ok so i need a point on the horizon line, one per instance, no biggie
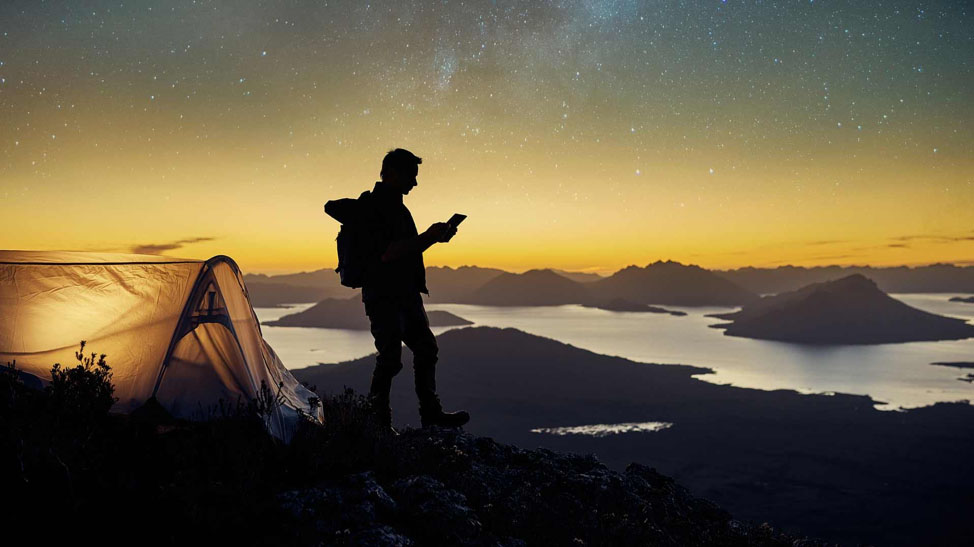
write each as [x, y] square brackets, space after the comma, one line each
[608, 271]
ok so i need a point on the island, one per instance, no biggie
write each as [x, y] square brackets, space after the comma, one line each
[621, 304]
[348, 313]
[969, 377]
[851, 310]
[955, 364]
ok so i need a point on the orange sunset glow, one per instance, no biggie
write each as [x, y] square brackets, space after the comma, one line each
[581, 138]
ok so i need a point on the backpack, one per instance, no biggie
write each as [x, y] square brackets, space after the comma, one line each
[356, 246]
[351, 262]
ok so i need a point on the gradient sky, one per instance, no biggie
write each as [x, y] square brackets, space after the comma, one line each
[579, 135]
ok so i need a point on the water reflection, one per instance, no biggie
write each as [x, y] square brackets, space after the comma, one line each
[604, 430]
[897, 374]
[300, 347]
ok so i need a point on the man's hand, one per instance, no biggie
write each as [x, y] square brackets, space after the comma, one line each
[440, 232]
[450, 233]
[437, 233]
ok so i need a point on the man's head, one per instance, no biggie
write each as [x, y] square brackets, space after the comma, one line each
[399, 169]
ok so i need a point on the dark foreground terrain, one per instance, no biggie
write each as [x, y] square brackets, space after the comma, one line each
[71, 471]
[823, 466]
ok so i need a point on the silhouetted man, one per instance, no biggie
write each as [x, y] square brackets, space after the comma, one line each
[394, 278]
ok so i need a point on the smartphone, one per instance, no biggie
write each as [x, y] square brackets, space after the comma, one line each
[456, 219]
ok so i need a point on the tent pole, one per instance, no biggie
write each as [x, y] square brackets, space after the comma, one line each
[181, 324]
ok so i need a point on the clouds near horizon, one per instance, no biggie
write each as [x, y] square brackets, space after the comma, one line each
[160, 248]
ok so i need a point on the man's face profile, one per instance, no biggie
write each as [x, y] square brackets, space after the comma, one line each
[403, 179]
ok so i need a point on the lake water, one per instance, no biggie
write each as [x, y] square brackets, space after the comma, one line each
[899, 375]
[604, 430]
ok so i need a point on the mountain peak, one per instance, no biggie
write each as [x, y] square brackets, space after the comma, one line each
[856, 280]
[672, 265]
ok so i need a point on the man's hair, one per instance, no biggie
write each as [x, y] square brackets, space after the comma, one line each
[399, 160]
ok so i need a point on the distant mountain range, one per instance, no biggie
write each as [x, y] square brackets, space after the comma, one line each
[661, 283]
[273, 291]
[899, 279]
[581, 277]
[322, 279]
[667, 283]
[454, 284]
[349, 313]
[274, 295]
[850, 310]
[531, 288]
[672, 283]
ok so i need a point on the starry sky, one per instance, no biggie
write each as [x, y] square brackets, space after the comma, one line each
[582, 135]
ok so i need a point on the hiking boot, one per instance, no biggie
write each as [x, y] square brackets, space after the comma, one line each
[431, 413]
[380, 405]
[382, 414]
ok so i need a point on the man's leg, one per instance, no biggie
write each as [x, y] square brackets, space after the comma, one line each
[419, 338]
[386, 327]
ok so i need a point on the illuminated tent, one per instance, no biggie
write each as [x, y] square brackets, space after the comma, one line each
[180, 330]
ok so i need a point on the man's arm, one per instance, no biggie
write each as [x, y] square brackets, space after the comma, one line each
[434, 234]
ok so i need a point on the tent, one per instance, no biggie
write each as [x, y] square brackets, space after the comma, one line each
[182, 331]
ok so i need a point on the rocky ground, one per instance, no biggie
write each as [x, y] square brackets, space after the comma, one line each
[71, 470]
[442, 487]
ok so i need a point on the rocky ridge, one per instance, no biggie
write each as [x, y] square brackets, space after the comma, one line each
[448, 488]
[343, 481]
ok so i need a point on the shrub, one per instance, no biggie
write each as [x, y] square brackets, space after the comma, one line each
[349, 439]
[266, 401]
[81, 395]
[52, 439]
